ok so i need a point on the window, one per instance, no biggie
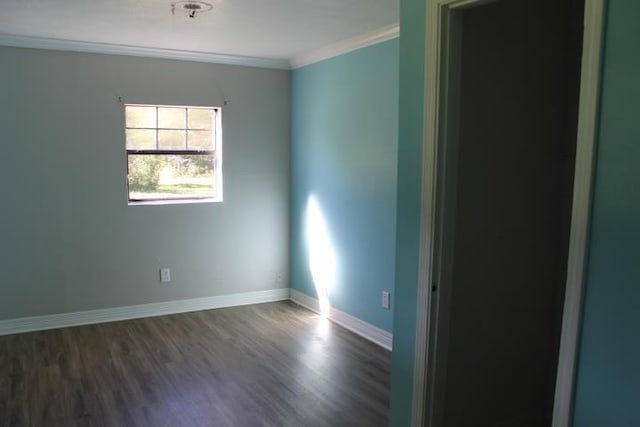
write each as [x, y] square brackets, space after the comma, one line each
[173, 153]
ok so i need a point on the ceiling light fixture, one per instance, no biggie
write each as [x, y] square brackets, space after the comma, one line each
[191, 8]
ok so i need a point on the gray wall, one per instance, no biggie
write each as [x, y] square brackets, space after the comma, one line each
[69, 241]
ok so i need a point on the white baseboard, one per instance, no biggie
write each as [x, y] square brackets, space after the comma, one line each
[62, 320]
[366, 330]
[52, 321]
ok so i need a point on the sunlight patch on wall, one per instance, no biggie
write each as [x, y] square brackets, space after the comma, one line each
[322, 255]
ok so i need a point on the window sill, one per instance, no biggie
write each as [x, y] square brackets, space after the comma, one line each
[172, 202]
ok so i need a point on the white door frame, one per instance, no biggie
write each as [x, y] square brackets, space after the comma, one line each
[442, 29]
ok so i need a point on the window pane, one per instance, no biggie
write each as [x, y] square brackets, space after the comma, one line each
[172, 140]
[141, 139]
[172, 118]
[200, 140]
[140, 117]
[160, 176]
[200, 119]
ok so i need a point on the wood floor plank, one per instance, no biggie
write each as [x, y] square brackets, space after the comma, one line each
[271, 365]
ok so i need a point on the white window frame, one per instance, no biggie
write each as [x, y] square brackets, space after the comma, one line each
[216, 153]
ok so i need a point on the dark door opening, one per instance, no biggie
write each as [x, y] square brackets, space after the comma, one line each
[517, 122]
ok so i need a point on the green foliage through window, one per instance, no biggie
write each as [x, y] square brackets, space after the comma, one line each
[144, 173]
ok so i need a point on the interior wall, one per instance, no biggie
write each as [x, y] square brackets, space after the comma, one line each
[69, 240]
[608, 384]
[344, 151]
[410, 130]
[518, 121]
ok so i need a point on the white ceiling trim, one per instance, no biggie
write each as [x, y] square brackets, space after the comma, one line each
[148, 52]
[383, 34]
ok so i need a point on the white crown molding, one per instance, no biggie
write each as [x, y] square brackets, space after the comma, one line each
[52, 321]
[147, 52]
[339, 48]
[368, 39]
[366, 330]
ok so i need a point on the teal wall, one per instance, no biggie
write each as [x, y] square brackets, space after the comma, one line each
[69, 241]
[344, 154]
[412, 24]
[608, 386]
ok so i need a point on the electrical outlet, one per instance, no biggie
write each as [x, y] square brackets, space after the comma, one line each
[165, 275]
[385, 299]
[279, 277]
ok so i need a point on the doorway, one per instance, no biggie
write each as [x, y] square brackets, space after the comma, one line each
[505, 199]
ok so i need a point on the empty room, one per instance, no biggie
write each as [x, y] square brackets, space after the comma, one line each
[366, 213]
[164, 203]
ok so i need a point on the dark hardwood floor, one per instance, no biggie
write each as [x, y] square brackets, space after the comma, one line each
[273, 364]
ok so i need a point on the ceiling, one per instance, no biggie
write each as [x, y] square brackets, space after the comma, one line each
[268, 29]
